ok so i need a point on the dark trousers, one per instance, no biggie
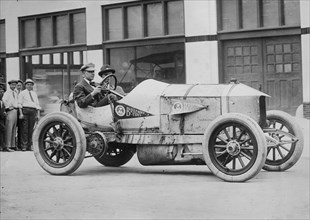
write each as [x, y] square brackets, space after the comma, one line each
[27, 127]
[106, 100]
[19, 132]
[103, 102]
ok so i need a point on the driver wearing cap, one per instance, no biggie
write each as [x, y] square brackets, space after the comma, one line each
[86, 93]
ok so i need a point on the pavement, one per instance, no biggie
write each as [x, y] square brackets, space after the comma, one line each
[134, 191]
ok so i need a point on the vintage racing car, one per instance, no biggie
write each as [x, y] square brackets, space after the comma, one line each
[225, 127]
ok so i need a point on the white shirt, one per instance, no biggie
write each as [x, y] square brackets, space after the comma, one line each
[18, 91]
[24, 100]
[10, 99]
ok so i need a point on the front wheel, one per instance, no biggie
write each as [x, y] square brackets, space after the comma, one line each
[59, 143]
[234, 147]
[287, 150]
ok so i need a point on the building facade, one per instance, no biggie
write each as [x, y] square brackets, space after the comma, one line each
[262, 43]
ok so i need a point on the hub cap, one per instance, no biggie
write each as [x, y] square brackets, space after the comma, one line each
[233, 148]
[58, 143]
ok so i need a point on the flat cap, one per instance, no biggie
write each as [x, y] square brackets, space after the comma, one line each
[106, 69]
[88, 67]
[12, 81]
[29, 81]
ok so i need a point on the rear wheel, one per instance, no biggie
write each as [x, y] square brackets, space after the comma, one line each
[234, 147]
[59, 143]
[116, 155]
[287, 151]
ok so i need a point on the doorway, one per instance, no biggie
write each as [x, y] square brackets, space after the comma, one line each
[271, 65]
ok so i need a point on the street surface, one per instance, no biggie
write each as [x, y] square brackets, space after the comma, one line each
[156, 192]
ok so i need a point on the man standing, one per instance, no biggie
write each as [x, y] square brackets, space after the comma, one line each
[29, 112]
[10, 103]
[19, 86]
[18, 89]
[2, 119]
[86, 93]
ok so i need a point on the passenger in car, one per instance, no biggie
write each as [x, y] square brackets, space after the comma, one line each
[86, 93]
[106, 70]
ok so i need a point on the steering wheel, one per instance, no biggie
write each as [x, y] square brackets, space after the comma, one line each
[109, 82]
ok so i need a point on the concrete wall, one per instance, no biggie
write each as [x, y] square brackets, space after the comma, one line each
[202, 62]
[201, 57]
[12, 67]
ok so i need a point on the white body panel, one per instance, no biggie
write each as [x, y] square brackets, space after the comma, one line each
[100, 115]
[160, 100]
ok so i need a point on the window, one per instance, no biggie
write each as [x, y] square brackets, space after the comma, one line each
[115, 24]
[291, 11]
[249, 15]
[175, 17]
[2, 36]
[46, 36]
[60, 29]
[55, 75]
[143, 19]
[161, 62]
[283, 57]
[154, 20]
[29, 33]
[79, 28]
[134, 22]
[242, 59]
[229, 14]
[270, 13]
[253, 14]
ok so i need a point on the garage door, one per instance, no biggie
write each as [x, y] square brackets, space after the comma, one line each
[272, 65]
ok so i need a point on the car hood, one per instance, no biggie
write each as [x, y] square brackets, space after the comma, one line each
[146, 96]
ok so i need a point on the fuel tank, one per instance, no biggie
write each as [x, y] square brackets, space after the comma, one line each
[169, 155]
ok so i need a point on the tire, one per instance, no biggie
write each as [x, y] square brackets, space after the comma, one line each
[283, 156]
[234, 147]
[59, 143]
[117, 155]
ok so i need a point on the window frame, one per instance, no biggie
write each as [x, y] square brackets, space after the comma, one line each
[2, 21]
[260, 18]
[143, 5]
[52, 16]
